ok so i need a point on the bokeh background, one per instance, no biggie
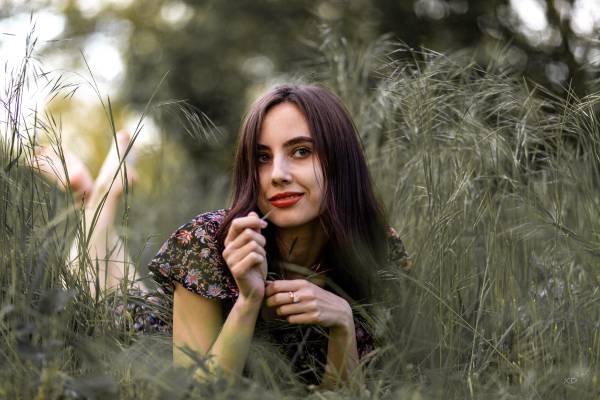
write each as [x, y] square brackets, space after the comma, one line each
[480, 123]
[217, 56]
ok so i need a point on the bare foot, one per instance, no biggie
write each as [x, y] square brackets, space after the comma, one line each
[50, 166]
[112, 164]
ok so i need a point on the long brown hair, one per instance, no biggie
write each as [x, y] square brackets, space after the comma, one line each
[352, 217]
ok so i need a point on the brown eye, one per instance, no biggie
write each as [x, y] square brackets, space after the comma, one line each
[301, 152]
[262, 158]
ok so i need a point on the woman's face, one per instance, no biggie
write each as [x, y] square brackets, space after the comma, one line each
[290, 175]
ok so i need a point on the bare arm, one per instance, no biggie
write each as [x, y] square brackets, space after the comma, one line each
[198, 325]
[342, 355]
[198, 322]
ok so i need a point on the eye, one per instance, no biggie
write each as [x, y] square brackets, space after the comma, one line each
[302, 152]
[262, 158]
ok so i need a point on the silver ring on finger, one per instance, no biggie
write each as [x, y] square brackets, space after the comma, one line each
[295, 298]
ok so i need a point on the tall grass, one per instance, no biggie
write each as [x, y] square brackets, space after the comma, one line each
[492, 183]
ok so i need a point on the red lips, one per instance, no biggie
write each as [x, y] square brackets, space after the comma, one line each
[284, 195]
[287, 199]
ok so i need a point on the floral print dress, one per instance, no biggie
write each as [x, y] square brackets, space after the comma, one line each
[191, 258]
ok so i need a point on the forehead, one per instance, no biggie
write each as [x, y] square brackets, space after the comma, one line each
[282, 122]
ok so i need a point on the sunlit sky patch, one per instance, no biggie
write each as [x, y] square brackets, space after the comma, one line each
[101, 50]
[176, 13]
[48, 25]
[14, 32]
[586, 16]
[532, 13]
[104, 58]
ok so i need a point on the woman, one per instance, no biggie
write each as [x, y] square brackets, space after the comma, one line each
[322, 235]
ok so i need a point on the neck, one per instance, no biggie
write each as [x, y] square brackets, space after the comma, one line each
[301, 245]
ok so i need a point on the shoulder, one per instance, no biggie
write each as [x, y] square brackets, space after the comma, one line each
[397, 254]
[200, 231]
[190, 256]
[203, 226]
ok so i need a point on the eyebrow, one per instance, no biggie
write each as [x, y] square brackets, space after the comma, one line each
[291, 142]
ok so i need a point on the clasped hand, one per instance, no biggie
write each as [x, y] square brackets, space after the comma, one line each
[302, 302]
[299, 301]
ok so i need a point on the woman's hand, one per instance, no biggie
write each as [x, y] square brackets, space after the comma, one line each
[246, 257]
[303, 302]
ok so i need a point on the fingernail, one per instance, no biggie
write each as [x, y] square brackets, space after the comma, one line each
[263, 223]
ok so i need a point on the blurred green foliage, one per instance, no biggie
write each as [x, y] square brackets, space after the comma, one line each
[218, 55]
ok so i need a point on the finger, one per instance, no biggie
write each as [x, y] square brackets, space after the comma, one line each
[235, 256]
[249, 261]
[303, 319]
[239, 224]
[245, 236]
[285, 286]
[279, 299]
[291, 309]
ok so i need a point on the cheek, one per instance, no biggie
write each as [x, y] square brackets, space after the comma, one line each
[263, 203]
[263, 181]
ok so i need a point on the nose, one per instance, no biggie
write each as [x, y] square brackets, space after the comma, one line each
[281, 173]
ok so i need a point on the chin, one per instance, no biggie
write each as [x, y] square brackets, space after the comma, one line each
[283, 218]
[286, 222]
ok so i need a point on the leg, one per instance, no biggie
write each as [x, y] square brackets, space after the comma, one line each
[47, 161]
[105, 246]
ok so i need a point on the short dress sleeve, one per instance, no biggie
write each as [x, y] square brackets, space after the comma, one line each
[191, 258]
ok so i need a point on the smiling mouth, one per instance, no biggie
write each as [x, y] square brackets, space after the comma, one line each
[286, 201]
